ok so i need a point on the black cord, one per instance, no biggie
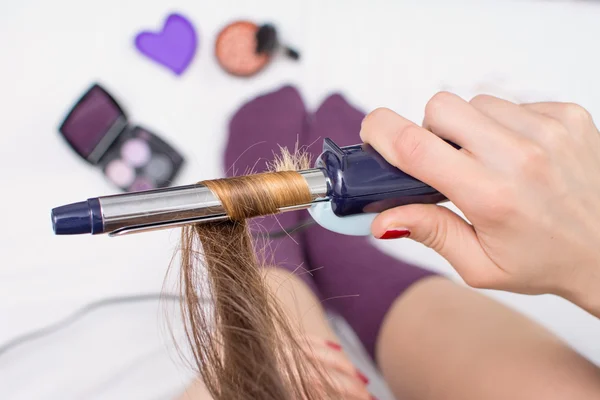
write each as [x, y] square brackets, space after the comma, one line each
[93, 306]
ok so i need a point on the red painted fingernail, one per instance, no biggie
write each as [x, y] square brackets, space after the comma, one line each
[362, 377]
[333, 345]
[395, 234]
[373, 398]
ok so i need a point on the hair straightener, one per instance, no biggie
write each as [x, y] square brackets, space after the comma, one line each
[349, 186]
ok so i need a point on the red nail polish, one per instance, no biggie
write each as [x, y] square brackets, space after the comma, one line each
[373, 398]
[362, 377]
[395, 234]
[333, 345]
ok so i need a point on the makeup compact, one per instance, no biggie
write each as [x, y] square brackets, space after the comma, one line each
[132, 157]
[243, 48]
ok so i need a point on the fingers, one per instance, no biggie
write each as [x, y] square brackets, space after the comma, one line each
[349, 389]
[452, 118]
[569, 114]
[341, 373]
[345, 386]
[514, 117]
[448, 234]
[327, 353]
[420, 153]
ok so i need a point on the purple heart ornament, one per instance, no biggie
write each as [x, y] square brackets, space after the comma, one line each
[174, 46]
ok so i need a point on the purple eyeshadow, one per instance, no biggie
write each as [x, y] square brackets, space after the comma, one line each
[120, 173]
[141, 184]
[93, 117]
[132, 158]
[136, 152]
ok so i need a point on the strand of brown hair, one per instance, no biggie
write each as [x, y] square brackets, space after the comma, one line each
[243, 346]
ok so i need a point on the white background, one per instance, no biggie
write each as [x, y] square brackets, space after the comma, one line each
[377, 53]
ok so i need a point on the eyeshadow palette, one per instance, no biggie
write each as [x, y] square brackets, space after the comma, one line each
[131, 157]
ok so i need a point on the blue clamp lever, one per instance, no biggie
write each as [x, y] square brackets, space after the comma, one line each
[361, 185]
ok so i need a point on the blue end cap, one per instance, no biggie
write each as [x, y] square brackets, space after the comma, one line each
[77, 218]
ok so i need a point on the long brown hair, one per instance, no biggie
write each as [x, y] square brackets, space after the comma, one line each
[243, 345]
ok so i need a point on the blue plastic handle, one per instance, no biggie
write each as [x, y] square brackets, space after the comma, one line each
[363, 182]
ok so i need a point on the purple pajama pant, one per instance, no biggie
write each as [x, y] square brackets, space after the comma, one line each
[348, 274]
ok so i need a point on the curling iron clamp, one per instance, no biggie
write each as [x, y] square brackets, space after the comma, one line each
[348, 185]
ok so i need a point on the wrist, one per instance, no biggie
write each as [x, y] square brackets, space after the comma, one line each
[585, 290]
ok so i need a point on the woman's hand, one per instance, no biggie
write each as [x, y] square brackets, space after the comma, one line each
[345, 379]
[527, 178]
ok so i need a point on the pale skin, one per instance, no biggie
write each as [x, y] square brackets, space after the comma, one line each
[526, 179]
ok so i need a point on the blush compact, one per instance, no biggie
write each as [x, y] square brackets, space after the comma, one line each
[244, 48]
[131, 157]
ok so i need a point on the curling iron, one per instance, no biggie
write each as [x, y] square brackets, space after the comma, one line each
[348, 185]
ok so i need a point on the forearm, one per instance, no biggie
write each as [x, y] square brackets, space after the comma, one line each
[445, 341]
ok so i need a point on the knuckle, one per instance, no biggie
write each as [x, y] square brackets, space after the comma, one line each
[552, 126]
[436, 237]
[408, 144]
[576, 114]
[374, 117]
[534, 159]
[436, 102]
[534, 154]
[554, 134]
[480, 99]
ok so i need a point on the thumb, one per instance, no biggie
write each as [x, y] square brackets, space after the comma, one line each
[446, 233]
